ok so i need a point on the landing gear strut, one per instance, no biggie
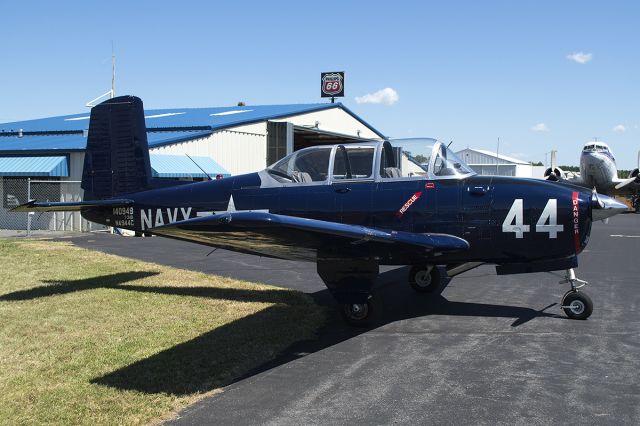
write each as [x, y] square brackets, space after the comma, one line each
[576, 304]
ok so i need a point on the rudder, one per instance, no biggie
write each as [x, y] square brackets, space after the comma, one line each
[117, 156]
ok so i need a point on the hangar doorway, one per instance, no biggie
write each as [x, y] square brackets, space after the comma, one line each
[283, 138]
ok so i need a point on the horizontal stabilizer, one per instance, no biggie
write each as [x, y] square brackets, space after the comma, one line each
[46, 206]
[267, 232]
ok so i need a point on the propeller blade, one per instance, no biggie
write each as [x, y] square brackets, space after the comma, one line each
[625, 182]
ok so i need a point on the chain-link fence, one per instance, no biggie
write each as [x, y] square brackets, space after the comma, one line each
[16, 191]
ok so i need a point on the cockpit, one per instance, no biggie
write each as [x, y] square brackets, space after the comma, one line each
[595, 147]
[396, 159]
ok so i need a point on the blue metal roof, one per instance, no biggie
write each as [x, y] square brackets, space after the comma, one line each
[165, 138]
[68, 143]
[214, 117]
[183, 124]
[180, 166]
[43, 143]
[34, 166]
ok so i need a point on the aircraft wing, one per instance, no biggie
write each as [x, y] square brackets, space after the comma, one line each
[292, 237]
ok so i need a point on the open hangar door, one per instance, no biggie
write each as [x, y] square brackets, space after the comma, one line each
[283, 138]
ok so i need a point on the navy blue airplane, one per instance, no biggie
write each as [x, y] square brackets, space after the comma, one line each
[350, 208]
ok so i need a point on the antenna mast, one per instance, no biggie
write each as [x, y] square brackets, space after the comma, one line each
[113, 72]
[111, 93]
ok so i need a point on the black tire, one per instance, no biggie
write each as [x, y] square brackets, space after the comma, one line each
[359, 314]
[423, 280]
[577, 305]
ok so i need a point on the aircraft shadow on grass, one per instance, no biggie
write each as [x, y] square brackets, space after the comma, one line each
[60, 287]
[192, 366]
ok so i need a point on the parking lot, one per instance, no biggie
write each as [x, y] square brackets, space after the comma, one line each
[488, 350]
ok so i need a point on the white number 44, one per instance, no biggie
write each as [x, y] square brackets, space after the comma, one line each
[548, 222]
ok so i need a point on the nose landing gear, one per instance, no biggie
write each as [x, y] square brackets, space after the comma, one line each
[576, 304]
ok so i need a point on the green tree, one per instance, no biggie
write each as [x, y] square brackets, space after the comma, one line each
[421, 158]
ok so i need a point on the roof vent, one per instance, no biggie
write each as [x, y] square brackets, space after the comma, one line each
[20, 133]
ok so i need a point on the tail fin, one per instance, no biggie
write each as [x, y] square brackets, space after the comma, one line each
[117, 156]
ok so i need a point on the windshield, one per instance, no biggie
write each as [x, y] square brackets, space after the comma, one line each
[413, 157]
[595, 148]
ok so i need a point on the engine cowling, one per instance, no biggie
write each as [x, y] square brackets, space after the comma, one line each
[634, 174]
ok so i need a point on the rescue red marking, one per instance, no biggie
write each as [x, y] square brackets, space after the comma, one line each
[575, 215]
[408, 204]
[429, 185]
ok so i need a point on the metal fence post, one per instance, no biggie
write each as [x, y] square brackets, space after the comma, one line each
[28, 214]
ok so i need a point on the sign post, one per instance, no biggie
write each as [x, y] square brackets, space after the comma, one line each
[332, 85]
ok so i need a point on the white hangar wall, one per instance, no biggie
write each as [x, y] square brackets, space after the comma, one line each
[239, 150]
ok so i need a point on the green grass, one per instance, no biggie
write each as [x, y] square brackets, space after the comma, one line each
[90, 338]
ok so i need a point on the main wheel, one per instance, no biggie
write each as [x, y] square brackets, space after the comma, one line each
[577, 305]
[425, 279]
[359, 314]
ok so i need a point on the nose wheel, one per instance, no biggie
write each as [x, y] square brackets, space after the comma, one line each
[576, 304]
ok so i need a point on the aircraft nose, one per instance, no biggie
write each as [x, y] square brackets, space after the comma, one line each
[604, 206]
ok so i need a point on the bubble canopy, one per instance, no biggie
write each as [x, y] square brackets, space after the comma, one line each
[416, 158]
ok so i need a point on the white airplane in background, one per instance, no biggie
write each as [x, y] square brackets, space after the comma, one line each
[598, 170]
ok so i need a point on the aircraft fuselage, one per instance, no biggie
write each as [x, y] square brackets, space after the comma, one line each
[598, 170]
[504, 219]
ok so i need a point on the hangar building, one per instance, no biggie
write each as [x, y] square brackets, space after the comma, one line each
[489, 163]
[221, 140]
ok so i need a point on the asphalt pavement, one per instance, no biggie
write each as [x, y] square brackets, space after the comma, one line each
[488, 350]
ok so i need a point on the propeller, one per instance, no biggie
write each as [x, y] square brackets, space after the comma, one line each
[625, 182]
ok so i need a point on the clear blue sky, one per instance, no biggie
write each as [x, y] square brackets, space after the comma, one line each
[467, 71]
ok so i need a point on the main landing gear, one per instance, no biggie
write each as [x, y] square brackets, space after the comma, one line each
[425, 279]
[359, 314]
[576, 304]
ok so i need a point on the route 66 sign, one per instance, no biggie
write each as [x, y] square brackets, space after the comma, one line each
[332, 85]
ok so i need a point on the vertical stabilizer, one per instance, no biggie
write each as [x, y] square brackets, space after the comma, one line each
[117, 156]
